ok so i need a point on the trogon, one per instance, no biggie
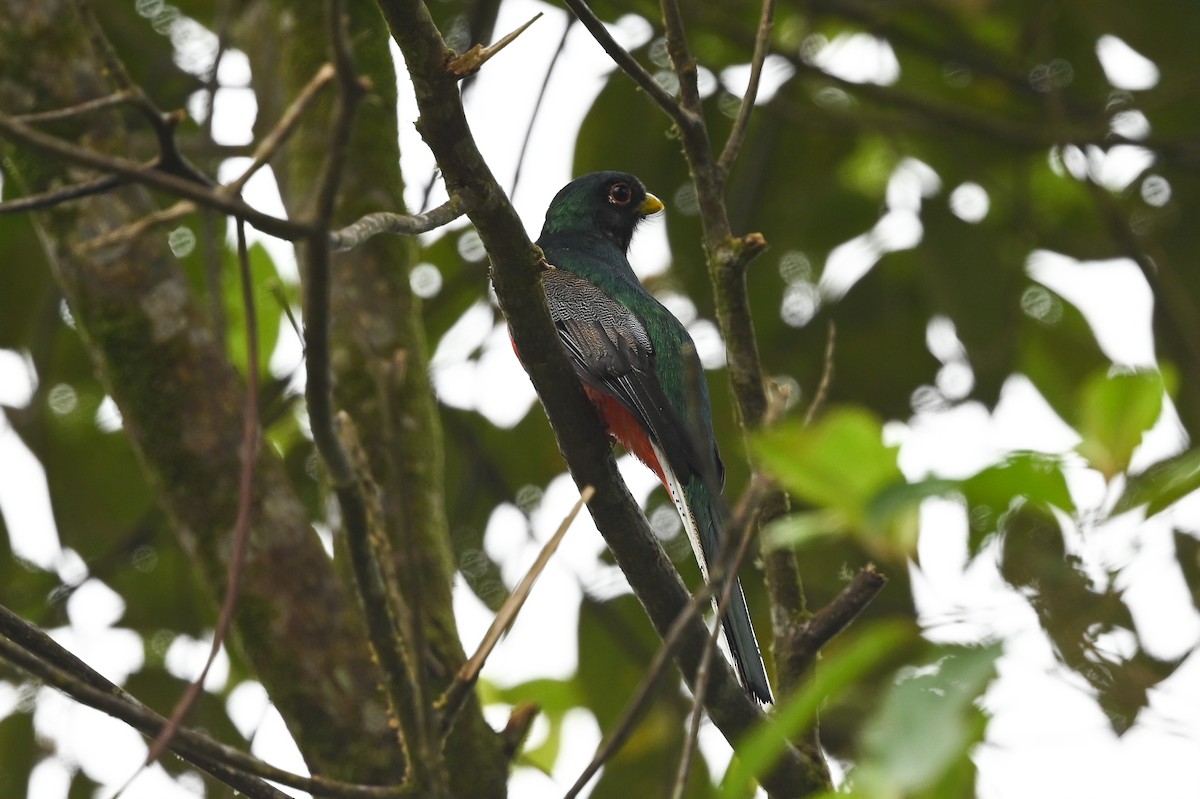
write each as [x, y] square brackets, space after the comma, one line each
[639, 367]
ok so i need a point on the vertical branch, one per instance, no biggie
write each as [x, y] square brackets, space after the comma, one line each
[319, 389]
[390, 620]
[707, 177]
[353, 486]
[241, 533]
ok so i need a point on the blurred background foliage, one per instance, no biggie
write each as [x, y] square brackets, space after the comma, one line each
[911, 165]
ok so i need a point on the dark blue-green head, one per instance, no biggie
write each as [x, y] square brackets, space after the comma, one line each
[610, 204]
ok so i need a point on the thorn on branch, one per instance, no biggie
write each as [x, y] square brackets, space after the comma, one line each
[469, 62]
[515, 732]
[751, 245]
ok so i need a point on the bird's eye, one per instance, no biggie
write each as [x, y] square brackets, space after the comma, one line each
[620, 194]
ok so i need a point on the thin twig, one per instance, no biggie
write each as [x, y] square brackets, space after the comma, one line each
[284, 127]
[730, 564]
[621, 731]
[452, 700]
[692, 739]
[75, 191]
[762, 43]
[136, 228]
[88, 107]
[379, 222]
[830, 620]
[537, 104]
[211, 82]
[826, 380]
[114, 68]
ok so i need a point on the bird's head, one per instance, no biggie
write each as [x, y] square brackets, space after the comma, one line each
[608, 203]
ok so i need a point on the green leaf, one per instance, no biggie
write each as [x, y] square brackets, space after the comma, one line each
[838, 673]
[1022, 477]
[1115, 410]
[928, 722]
[269, 315]
[896, 510]
[21, 751]
[1187, 551]
[1161, 485]
[553, 698]
[798, 529]
[839, 463]
[1032, 475]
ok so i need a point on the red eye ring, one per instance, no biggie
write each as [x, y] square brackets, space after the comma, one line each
[620, 194]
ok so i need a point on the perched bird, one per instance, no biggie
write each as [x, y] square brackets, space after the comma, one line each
[639, 367]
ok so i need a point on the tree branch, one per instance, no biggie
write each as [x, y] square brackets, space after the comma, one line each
[30, 649]
[634, 709]
[800, 645]
[152, 177]
[374, 224]
[661, 97]
[451, 701]
[284, 127]
[516, 264]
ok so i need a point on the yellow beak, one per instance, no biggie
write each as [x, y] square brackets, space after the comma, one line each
[650, 205]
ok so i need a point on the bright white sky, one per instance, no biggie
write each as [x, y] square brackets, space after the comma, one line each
[1047, 737]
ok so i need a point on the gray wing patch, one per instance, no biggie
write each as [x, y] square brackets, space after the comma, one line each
[612, 352]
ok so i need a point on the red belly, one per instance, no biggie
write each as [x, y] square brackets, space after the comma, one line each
[624, 427]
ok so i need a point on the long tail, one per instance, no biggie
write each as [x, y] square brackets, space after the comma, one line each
[743, 644]
[704, 529]
[739, 632]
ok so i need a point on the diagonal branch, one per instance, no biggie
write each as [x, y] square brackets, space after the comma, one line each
[516, 265]
[624, 727]
[30, 649]
[452, 700]
[154, 178]
[88, 107]
[284, 127]
[75, 191]
[661, 97]
[537, 104]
